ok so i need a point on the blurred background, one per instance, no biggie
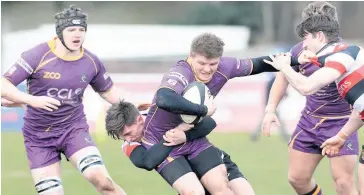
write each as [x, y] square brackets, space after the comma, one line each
[138, 42]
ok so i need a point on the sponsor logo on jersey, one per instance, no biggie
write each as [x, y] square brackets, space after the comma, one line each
[22, 63]
[51, 75]
[180, 77]
[69, 96]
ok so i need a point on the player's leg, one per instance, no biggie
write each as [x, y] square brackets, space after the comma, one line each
[44, 163]
[178, 173]
[343, 165]
[301, 167]
[361, 172]
[343, 173]
[209, 165]
[304, 156]
[84, 155]
[47, 180]
[237, 181]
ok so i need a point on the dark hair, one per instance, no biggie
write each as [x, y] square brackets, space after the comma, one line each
[208, 45]
[319, 7]
[320, 22]
[118, 116]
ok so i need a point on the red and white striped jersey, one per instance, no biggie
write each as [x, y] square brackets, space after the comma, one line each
[350, 63]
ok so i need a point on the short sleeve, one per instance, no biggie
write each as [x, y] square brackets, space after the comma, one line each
[101, 82]
[23, 67]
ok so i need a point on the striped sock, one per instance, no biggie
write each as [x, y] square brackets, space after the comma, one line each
[315, 191]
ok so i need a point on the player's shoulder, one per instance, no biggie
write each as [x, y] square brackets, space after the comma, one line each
[91, 55]
[37, 51]
[181, 69]
[296, 49]
[182, 66]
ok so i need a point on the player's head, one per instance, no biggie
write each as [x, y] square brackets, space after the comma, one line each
[205, 54]
[123, 121]
[319, 7]
[71, 27]
[317, 31]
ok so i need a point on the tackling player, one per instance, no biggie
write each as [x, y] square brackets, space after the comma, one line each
[345, 67]
[325, 113]
[62, 69]
[150, 159]
[206, 64]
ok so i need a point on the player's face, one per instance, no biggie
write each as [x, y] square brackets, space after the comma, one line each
[74, 36]
[204, 68]
[314, 42]
[134, 132]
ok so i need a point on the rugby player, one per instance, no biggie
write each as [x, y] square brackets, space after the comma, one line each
[62, 69]
[325, 113]
[206, 64]
[345, 67]
[150, 159]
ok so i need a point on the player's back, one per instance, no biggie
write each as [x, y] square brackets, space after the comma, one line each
[63, 78]
[326, 102]
[159, 121]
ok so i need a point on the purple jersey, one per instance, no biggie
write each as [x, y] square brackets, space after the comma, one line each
[64, 79]
[326, 102]
[179, 76]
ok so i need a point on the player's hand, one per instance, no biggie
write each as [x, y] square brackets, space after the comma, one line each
[184, 127]
[211, 107]
[174, 137]
[332, 145]
[44, 102]
[280, 60]
[307, 56]
[268, 120]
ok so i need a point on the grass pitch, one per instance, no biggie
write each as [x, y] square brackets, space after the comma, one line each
[264, 163]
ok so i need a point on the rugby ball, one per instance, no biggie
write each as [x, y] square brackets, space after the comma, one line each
[198, 93]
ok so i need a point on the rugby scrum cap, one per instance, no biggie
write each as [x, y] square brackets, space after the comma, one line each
[72, 16]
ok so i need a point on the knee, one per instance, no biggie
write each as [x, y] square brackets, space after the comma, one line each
[344, 184]
[193, 191]
[298, 180]
[102, 183]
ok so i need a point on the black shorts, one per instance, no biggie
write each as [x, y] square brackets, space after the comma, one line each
[201, 164]
[361, 159]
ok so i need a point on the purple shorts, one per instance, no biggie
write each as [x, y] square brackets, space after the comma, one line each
[44, 148]
[311, 132]
[189, 150]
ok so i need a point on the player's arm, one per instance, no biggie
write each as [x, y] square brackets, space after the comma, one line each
[20, 71]
[8, 103]
[259, 65]
[311, 84]
[146, 159]
[178, 136]
[104, 86]
[150, 159]
[13, 94]
[354, 123]
[169, 98]
[277, 92]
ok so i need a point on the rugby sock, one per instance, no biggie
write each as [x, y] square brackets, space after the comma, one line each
[315, 191]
